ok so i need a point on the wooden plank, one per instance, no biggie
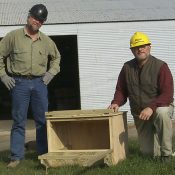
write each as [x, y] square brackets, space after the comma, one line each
[118, 138]
[56, 119]
[98, 157]
[81, 113]
[81, 116]
[83, 158]
[50, 114]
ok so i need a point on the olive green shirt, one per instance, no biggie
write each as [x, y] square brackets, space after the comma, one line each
[27, 57]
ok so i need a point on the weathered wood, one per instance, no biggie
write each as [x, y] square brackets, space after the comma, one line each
[80, 113]
[83, 158]
[118, 138]
[85, 136]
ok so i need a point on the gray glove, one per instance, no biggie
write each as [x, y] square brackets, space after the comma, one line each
[8, 81]
[47, 78]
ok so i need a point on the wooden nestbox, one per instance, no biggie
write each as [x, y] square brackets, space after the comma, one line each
[85, 137]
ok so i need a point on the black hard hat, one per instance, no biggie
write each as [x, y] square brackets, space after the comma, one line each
[39, 12]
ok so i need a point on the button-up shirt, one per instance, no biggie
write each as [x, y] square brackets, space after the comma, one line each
[27, 57]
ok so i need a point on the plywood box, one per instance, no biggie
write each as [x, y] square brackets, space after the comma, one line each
[85, 136]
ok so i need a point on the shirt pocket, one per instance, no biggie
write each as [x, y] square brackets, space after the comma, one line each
[18, 55]
[42, 58]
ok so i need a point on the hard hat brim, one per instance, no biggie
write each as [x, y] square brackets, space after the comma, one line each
[139, 45]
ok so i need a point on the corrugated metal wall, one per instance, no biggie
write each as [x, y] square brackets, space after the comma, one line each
[103, 48]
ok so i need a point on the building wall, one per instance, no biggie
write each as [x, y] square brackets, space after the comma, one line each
[102, 50]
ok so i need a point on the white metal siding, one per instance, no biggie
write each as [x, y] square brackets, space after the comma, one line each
[103, 48]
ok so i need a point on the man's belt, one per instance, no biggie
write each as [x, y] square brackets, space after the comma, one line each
[28, 77]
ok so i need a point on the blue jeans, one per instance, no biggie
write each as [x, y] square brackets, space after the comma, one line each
[26, 92]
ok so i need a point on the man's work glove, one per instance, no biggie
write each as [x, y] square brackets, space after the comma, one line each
[47, 78]
[8, 81]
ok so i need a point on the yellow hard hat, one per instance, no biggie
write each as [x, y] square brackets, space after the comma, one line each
[139, 39]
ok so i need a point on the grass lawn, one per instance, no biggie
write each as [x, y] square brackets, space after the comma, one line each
[135, 164]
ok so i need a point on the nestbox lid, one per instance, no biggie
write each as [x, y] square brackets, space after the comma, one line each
[73, 114]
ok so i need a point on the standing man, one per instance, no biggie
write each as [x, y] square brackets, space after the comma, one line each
[148, 83]
[32, 62]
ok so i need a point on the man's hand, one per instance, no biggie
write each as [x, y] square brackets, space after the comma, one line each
[47, 78]
[115, 107]
[146, 113]
[8, 81]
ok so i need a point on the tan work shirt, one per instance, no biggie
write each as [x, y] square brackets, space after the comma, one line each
[28, 57]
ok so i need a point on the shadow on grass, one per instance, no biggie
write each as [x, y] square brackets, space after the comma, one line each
[30, 157]
[5, 155]
[133, 147]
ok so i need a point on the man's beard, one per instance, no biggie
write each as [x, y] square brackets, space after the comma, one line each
[33, 28]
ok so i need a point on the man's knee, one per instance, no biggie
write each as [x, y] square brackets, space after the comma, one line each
[163, 113]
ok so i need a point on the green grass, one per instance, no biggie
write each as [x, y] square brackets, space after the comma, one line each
[135, 164]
